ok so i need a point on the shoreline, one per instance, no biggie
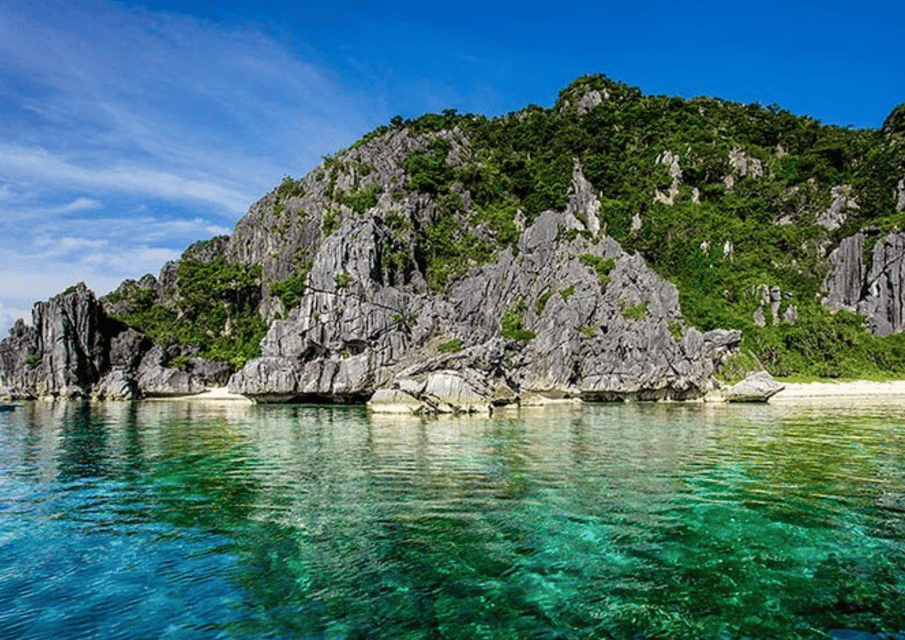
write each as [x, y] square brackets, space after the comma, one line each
[851, 390]
[793, 391]
[217, 394]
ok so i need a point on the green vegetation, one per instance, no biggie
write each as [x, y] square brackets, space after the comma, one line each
[446, 252]
[32, 360]
[541, 303]
[291, 289]
[512, 321]
[481, 180]
[451, 346]
[290, 188]
[635, 312]
[765, 221]
[361, 200]
[343, 280]
[331, 222]
[213, 307]
[429, 171]
[602, 266]
[588, 331]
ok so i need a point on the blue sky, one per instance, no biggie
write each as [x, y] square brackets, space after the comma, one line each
[130, 130]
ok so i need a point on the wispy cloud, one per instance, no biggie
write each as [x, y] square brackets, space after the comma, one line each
[129, 134]
[42, 165]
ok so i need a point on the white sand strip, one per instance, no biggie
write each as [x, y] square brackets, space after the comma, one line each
[854, 389]
[217, 394]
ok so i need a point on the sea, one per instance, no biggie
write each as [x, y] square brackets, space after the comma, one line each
[224, 520]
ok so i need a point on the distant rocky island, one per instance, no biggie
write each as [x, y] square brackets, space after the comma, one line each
[616, 246]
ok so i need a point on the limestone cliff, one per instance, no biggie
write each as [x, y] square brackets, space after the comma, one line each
[875, 287]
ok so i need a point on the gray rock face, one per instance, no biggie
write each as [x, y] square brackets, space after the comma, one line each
[845, 282]
[671, 161]
[837, 213]
[876, 290]
[900, 195]
[602, 325]
[590, 100]
[567, 314]
[74, 349]
[63, 354]
[583, 202]
[115, 385]
[154, 378]
[743, 166]
[772, 298]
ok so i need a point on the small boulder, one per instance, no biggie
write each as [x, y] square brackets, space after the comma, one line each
[757, 387]
[395, 401]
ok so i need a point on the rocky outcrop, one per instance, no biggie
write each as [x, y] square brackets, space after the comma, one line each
[74, 349]
[876, 289]
[900, 196]
[845, 282]
[669, 160]
[568, 315]
[62, 354]
[837, 213]
[743, 166]
[583, 202]
[772, 298]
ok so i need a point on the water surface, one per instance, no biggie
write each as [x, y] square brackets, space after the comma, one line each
[181, 520]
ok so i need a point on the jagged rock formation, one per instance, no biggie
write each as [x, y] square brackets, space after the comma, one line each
[62, 353]
[876, 289]
[772, 298]
[75, 349]
[743, 166]
[599, 336]
[837, 213]
[671, 161]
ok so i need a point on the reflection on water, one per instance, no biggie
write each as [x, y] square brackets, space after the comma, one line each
[204, 520]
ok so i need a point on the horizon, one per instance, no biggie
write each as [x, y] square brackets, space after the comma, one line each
[132, 130]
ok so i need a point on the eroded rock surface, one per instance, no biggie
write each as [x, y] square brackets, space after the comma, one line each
[74, 349]
[876, 289]
[595, 323]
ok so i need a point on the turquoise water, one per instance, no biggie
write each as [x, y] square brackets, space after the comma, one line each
[178, 520]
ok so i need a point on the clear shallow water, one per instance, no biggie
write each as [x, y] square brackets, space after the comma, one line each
[177, 520]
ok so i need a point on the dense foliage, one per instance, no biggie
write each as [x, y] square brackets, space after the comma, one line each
[214, 307]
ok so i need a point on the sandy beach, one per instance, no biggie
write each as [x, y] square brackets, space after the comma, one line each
[794, 391]
[855, 390]
[217, 394]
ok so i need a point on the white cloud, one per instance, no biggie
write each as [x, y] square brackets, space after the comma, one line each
[129, 134]
[8, 317]
[79, 204]
[40, 164]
